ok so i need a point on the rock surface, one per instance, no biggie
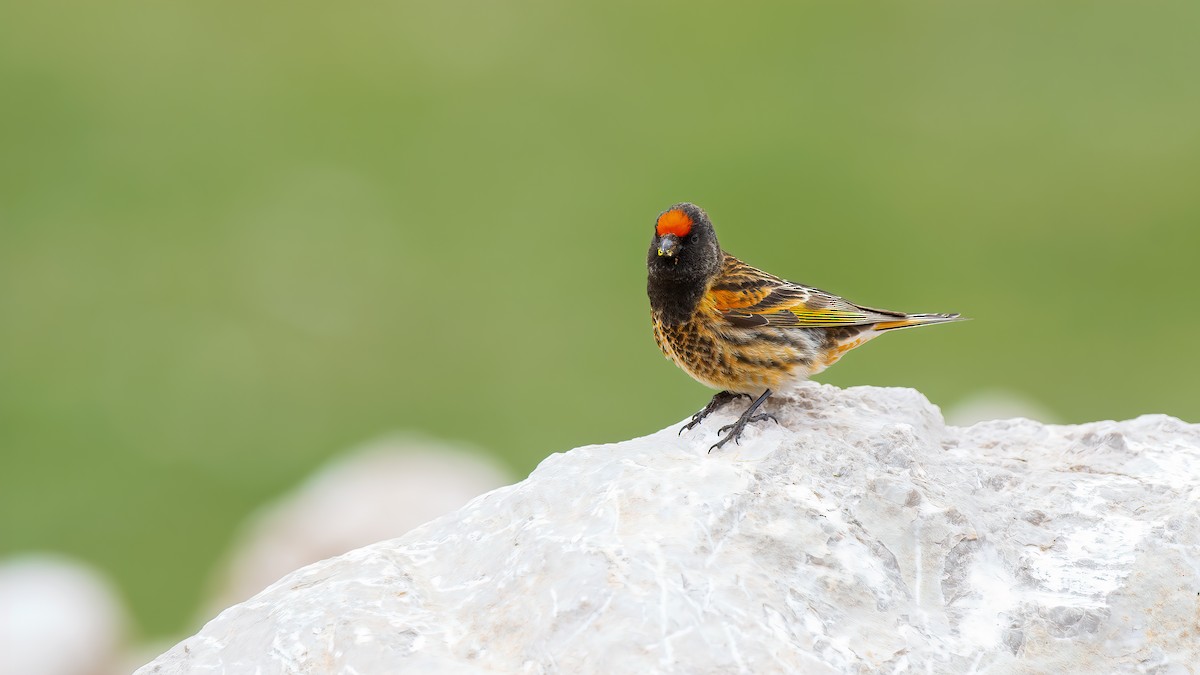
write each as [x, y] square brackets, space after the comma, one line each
[861, 535]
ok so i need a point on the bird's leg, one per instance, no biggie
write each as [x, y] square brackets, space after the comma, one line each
[717, 401]
[735, 429]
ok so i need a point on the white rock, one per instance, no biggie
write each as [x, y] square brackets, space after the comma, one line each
[860, 536]
[58, 617]
[379, 491]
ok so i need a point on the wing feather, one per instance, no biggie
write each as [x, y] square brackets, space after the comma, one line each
[749, 297]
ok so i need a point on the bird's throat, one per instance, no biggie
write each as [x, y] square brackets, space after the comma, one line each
[673, 298]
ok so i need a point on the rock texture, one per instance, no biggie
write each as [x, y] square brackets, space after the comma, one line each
[861, 535]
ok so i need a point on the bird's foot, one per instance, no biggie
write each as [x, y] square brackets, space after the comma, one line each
[735, 429]
[717, 401]
[741, 423]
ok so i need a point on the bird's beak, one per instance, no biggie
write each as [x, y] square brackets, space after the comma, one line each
[668, 245]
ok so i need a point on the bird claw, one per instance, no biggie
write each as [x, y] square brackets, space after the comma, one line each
[756, 418]
[735, 429]
[695, 421]
[717, 401]
[735, 437]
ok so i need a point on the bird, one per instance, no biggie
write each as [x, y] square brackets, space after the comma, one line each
[744, 331]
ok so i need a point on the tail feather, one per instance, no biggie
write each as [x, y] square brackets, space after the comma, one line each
[918, 320]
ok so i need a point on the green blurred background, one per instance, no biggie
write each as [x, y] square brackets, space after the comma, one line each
[236, 238]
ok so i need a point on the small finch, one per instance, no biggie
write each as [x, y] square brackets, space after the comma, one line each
[741, 330]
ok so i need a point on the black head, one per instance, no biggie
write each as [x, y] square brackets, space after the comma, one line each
[684, 247]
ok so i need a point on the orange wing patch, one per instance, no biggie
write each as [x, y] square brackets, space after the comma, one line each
[674, 222]
[727, 300]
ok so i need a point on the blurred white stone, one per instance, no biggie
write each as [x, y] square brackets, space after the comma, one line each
[997, 404]
[57, 617]
[861, 535]
[377, 492]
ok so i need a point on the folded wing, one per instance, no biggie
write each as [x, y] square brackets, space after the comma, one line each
[747, 296]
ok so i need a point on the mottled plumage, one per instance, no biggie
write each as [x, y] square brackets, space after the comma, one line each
[739, 329]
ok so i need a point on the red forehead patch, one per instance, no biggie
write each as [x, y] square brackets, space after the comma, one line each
[674, 222]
